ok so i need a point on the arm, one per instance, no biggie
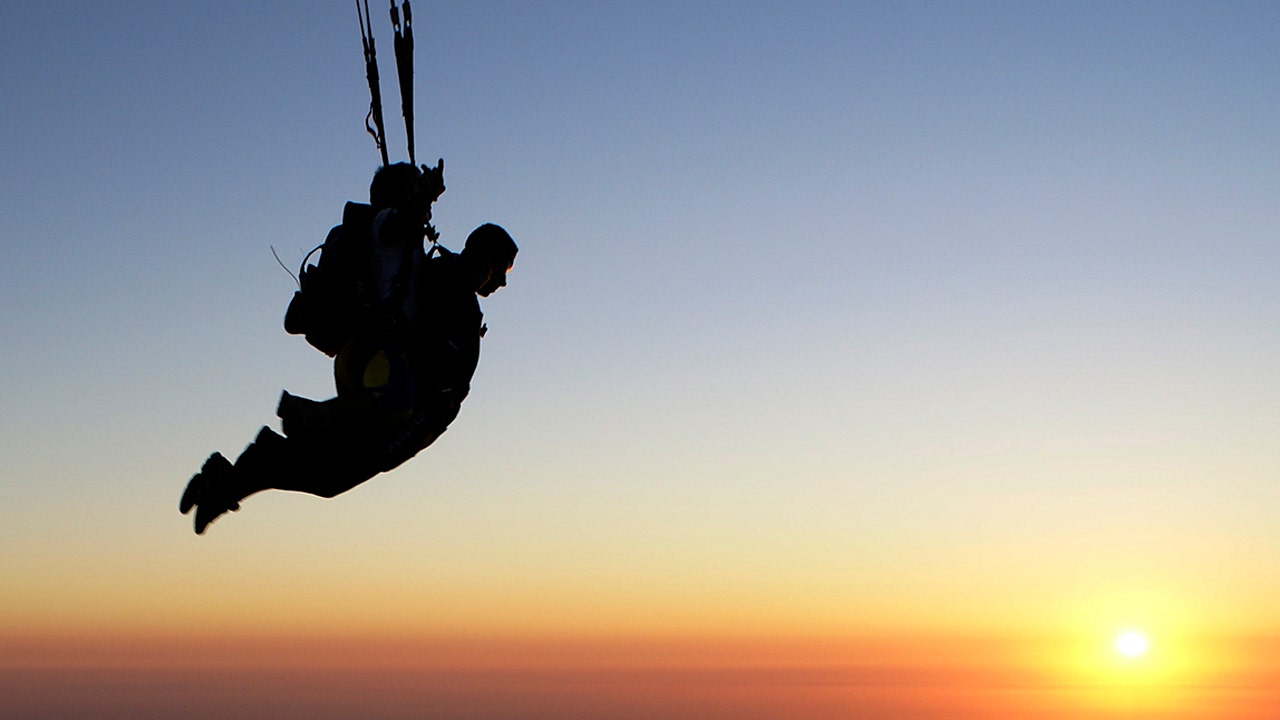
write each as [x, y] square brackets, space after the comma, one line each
[429, 188]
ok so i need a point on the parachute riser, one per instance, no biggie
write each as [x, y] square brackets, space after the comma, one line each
[404, 69]
[377, 129]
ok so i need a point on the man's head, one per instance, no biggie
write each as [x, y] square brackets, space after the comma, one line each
[492, 252]
[393, 185]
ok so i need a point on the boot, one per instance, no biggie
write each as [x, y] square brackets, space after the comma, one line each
[211, 472]
[209, 492]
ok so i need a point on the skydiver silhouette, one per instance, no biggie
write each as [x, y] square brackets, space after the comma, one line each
[403, 359]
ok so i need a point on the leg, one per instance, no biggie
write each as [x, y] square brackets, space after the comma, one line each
[271, 462]
[326, 466]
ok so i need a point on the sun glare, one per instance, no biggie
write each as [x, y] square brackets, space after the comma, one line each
[1132, 644]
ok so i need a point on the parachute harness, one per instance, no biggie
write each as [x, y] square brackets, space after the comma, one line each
[403, 46]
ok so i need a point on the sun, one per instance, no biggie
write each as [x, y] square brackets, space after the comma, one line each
[1132, 644]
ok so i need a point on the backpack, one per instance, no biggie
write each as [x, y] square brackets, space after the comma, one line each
[332, 302]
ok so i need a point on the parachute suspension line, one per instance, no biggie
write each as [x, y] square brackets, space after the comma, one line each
[377, 129]
[404, 69]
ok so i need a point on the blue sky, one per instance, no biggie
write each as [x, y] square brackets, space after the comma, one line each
[803, 288]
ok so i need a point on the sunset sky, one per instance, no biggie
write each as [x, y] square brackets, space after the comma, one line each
[862, 359]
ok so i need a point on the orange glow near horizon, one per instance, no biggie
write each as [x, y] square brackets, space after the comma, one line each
[878, 640]
[816, 677]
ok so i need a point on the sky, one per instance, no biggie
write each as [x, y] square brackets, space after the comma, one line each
[861, 359]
